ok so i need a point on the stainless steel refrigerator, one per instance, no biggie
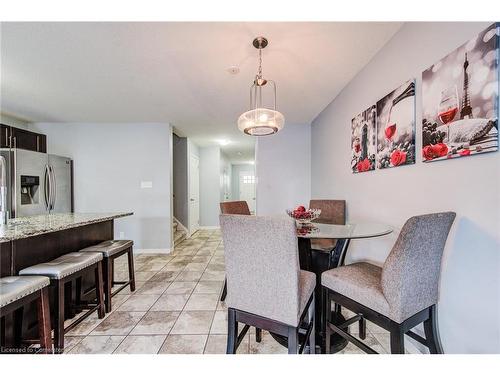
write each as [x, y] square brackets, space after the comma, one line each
[37, 183]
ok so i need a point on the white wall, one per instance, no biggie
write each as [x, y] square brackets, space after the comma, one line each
[110, 162]
[283, 170]
[210, 187]
[235, 177]
[469, 308]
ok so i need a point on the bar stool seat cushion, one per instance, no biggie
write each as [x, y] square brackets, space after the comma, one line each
[63, 266]
[360, 282]
[109, 248]
[13, 288]
[307, 283]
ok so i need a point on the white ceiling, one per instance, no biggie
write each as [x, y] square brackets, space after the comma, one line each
[176, 72]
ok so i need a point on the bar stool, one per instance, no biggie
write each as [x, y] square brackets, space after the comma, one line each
[111, 250]
[18, 291]
[62, 270]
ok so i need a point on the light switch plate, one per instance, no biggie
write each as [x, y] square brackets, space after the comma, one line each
[146, 184]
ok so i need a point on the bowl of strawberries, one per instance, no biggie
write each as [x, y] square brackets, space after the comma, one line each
[304, 216]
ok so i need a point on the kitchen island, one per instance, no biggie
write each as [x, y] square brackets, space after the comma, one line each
[32, 240]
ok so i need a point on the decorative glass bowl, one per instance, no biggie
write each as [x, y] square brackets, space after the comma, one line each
[304, 217]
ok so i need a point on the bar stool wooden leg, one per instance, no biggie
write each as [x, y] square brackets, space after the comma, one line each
[59, 317]
[108, 276]
[78, 297]
[18, 326]
[131, 273]
[99, 290]
[44, 321]
[258, 334]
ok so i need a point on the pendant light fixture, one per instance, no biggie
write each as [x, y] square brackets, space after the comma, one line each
[261, 120]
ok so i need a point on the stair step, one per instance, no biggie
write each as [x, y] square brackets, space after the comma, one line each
[179, 236]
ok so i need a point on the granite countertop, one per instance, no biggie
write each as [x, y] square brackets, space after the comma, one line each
[29, 226]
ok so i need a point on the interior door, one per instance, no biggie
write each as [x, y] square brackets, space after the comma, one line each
[61, 176]
[247, 189]
[194, 194]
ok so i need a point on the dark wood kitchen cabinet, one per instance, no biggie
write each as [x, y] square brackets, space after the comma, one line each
[20, 138]
[4, 136]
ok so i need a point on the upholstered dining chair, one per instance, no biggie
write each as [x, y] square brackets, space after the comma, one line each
[332, 212]
[401, 294]
[268, 289]
[232, 208]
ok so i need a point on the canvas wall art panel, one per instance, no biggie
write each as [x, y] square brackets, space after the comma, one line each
[363, 140]
[460, 100]
[396, 127]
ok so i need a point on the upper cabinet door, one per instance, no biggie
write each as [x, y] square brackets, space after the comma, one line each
[27, 140]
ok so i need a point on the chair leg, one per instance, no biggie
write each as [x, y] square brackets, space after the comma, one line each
[312, 320]
[108, 276]
[326, 319]
[18, 327]
[78, 297]
[232, 331]
[397, 341]
[68, 300]
[59, 317]
[44, 321]
[224, 291]
[292, 340]
[131, 273]
[99, 290]
[432, 333]
[362, 328]
[258, 334]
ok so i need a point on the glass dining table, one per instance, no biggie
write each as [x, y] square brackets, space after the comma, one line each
[320, 260]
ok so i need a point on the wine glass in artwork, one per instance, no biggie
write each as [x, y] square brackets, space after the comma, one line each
[448, 107]
[390, 128]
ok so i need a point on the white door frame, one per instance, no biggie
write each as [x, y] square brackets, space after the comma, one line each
[190, 227]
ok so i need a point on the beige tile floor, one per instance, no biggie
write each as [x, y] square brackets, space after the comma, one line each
[175, 308]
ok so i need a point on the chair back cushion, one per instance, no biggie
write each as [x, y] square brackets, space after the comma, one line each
[410, 275]
[262, 266]
[234, 208]
[332, 212]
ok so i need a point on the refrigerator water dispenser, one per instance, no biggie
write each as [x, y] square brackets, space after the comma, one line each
[30, 186]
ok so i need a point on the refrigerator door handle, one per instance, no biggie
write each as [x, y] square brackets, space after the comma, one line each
[46, 193]
[53, 186]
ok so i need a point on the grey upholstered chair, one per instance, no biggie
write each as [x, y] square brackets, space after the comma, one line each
[401, 294]
[332, 212]
[233, 208]
[267, 288]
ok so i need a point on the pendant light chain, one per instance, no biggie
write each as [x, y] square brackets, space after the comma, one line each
[260, 63]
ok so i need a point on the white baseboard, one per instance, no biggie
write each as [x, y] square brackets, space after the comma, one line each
[209, 227]
[152, 251]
